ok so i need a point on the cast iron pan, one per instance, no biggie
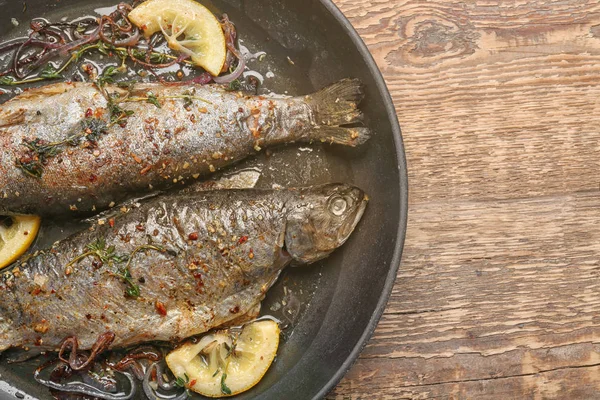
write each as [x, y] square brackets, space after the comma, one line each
[332, 307]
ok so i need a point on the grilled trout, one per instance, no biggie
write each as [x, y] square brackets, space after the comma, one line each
[174, 267]
[78, 148]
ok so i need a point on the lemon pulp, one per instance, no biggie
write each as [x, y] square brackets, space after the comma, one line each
[188, 26]
[16, 235]
[225, 363]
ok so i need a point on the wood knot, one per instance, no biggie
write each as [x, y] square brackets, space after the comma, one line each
[431, 39]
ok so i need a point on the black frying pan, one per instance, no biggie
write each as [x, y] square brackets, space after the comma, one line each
[338, 302]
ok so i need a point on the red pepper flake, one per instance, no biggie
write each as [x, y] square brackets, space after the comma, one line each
[193, 236]
[88, 316]
[36, 291]
[199, 282]
[38, 341]
[140, 227]
[88, 113]
[192, 382]
[53, 291]
[234, 310]
[111, 222]
[160, 308]
[93, 178]
[243, 240]
[145, 170]
[136, 158]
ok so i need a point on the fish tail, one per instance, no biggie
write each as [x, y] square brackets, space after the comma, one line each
[341, 135]
[337, 105]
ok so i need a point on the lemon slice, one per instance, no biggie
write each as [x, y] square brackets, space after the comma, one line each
[189, 28]
[225, 363]
[16, 235]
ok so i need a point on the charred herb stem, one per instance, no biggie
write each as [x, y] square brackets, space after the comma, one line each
[107, 255]
[39, 153]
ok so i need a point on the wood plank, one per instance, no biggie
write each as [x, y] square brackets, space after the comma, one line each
[497, 99]
[488, 290]
[498, 293]
[561, 383]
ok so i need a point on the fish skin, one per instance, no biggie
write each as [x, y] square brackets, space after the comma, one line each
[159, 148]
[220, 253]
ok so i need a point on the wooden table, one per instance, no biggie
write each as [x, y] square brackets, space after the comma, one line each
[498, 294]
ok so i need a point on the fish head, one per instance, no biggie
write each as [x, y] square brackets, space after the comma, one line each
[320, 219]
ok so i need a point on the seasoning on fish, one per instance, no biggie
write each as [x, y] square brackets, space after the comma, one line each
[75, 148]
[155, 283]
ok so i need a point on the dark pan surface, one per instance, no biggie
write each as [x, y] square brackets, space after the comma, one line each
[336, 304]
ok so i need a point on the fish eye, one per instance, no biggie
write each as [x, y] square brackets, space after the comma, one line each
[338, 205]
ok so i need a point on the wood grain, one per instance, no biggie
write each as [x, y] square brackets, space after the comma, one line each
[498, 294]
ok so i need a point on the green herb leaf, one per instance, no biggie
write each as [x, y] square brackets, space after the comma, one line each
[102, 48]
[7, 80]
[152, 99]
[179, 382]
[133, 290]
[92, 129]
[97, 245]
[117, 114]
[224, 388]
[49, 72]
[107, 76]
[182, 380]
[121, 53]
[126, 84]
[159, 58]
[36, 156]
[234, 85]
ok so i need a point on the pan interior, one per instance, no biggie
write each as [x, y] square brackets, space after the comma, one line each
[328, 306]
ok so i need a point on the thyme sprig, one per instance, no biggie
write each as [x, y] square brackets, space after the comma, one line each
[224, 388]
[49, 72]
[182, 380]
[108, 256]
[98, 250]
[39, 152]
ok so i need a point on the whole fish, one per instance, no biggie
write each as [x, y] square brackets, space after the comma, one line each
[174, 267]
[78, 148]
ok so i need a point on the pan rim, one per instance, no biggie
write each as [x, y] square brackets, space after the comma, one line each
[403, 203]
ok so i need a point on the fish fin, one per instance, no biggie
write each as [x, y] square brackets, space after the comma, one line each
[340, 135]
[337, 104]
[244, 179]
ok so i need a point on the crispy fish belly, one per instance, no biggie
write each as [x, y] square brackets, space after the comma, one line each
[174, 267]
[75, 148]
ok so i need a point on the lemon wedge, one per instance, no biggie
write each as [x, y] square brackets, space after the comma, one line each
[226, 363]
[189, 28]
[16, 235]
